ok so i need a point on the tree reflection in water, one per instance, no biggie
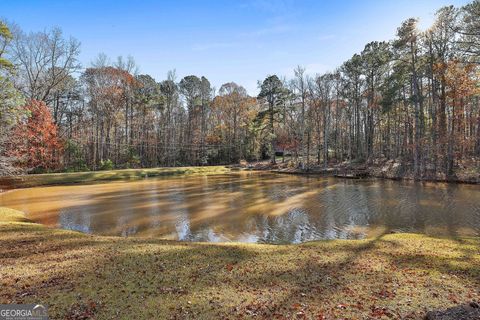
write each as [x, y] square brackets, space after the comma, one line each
[254, 207]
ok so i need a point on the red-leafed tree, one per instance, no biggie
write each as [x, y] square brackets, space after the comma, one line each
[35, 140]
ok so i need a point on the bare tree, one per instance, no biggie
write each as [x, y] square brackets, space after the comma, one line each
[44, 60]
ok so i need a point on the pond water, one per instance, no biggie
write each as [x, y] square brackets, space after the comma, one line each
[254, 207]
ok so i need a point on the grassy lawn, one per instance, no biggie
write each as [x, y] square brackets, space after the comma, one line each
[34, 180]
[81, 276]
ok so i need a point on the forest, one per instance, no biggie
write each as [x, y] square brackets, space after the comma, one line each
[414, 99]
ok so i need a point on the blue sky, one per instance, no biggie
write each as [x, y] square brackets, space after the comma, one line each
[241, 41]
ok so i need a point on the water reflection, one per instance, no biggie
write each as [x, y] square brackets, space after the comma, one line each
[254, 207]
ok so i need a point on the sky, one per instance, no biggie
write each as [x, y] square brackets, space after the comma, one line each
[242, 41]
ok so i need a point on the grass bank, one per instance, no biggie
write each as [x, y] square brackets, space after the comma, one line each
[82, 276]
[34, 180]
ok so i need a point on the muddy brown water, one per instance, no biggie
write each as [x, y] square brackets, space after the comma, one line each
[254, 207]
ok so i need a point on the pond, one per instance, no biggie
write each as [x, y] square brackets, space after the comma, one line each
[254, 207]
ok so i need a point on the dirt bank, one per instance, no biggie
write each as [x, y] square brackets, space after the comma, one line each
[466, 172]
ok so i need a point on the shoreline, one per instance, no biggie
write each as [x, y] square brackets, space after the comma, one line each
[10, 183]
[380, 169]
[94, 177]
[329, 174]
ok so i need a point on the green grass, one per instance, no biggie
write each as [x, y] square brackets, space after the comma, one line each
[82, 276]
[34, 180]
[10, 216]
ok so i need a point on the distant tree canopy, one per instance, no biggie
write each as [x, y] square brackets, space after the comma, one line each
[10, 100]
[414, 99]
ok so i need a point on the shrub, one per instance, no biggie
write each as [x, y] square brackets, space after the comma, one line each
[106, 165]
[74, 157]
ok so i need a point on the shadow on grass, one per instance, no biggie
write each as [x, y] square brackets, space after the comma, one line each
[151, 278]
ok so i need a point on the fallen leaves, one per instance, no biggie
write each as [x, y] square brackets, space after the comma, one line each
[386, 294]
[379, 312]
[82, 311]
[327, 280]
[172, 290]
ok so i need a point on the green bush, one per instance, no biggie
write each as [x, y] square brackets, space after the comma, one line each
[133, 161]
[106, 165]
[80, 167]
[39, 170]
[130, 159]
[75, 160]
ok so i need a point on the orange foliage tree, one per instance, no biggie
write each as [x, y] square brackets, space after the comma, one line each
[35, 140]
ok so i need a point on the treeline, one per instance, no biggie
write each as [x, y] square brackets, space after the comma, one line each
[414, 99]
